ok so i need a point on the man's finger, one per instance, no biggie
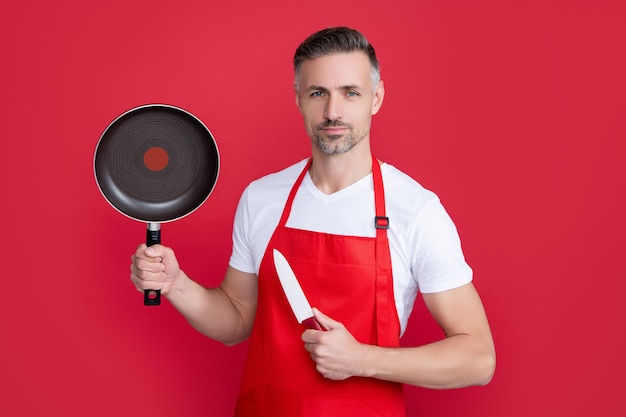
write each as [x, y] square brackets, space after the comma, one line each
[325, 321]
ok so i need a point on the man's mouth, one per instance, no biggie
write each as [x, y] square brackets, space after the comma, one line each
[333, 128]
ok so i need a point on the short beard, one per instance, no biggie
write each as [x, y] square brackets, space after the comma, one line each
[334, 144]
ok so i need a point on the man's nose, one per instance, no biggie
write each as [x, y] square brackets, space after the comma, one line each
[332, 110]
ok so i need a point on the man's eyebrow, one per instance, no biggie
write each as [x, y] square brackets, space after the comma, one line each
[343, 88]
[350, 87]
[317, 88]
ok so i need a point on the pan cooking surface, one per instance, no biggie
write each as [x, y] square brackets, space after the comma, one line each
[156, 163]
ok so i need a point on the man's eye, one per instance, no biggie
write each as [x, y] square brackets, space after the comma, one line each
[317, 94]
[352, 94]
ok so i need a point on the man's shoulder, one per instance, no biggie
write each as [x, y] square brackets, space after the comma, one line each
[273, 187]
[398, 183]
[278, 179]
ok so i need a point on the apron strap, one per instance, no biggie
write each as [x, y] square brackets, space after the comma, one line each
[387, 323]
[292, 195]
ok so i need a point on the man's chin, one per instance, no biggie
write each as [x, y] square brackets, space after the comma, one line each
[333, 148]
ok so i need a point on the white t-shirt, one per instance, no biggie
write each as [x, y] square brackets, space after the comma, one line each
[425, 247]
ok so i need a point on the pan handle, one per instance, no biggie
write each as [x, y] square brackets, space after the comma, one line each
[153, 237]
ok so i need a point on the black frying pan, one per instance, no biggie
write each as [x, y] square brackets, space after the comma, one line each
[156, 163]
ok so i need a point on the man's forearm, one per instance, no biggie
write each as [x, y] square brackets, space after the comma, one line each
[210, 311]
[455, 362]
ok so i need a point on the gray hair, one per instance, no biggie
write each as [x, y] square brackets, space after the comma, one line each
[335, 40]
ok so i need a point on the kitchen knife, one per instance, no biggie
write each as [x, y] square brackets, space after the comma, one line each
[297, 300]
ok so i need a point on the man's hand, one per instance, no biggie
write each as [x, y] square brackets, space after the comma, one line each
[336, 352]
[154, 268]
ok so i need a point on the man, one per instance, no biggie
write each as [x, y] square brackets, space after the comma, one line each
[362, 238]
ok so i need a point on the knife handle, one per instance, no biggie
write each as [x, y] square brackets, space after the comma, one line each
[311, 323]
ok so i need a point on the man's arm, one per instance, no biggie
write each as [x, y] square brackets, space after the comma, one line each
[225, 313]
[465, 357]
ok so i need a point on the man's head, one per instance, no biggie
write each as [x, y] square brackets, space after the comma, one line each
[331, 41]
[338, 89]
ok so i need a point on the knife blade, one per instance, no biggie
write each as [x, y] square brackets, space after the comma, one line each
[297, 300]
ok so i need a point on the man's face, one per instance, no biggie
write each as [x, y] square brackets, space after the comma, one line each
[337, 100]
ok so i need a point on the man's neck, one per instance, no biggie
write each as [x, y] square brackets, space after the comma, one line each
[332, 173]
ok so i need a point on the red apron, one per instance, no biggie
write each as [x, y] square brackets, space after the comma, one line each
[349, 279]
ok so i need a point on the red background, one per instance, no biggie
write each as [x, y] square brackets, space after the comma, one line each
[513, 112]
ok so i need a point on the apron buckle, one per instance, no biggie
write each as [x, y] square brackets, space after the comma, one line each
[381, 222]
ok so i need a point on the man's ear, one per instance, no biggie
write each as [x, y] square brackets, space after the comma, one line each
[297, 94]
[379, 95]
